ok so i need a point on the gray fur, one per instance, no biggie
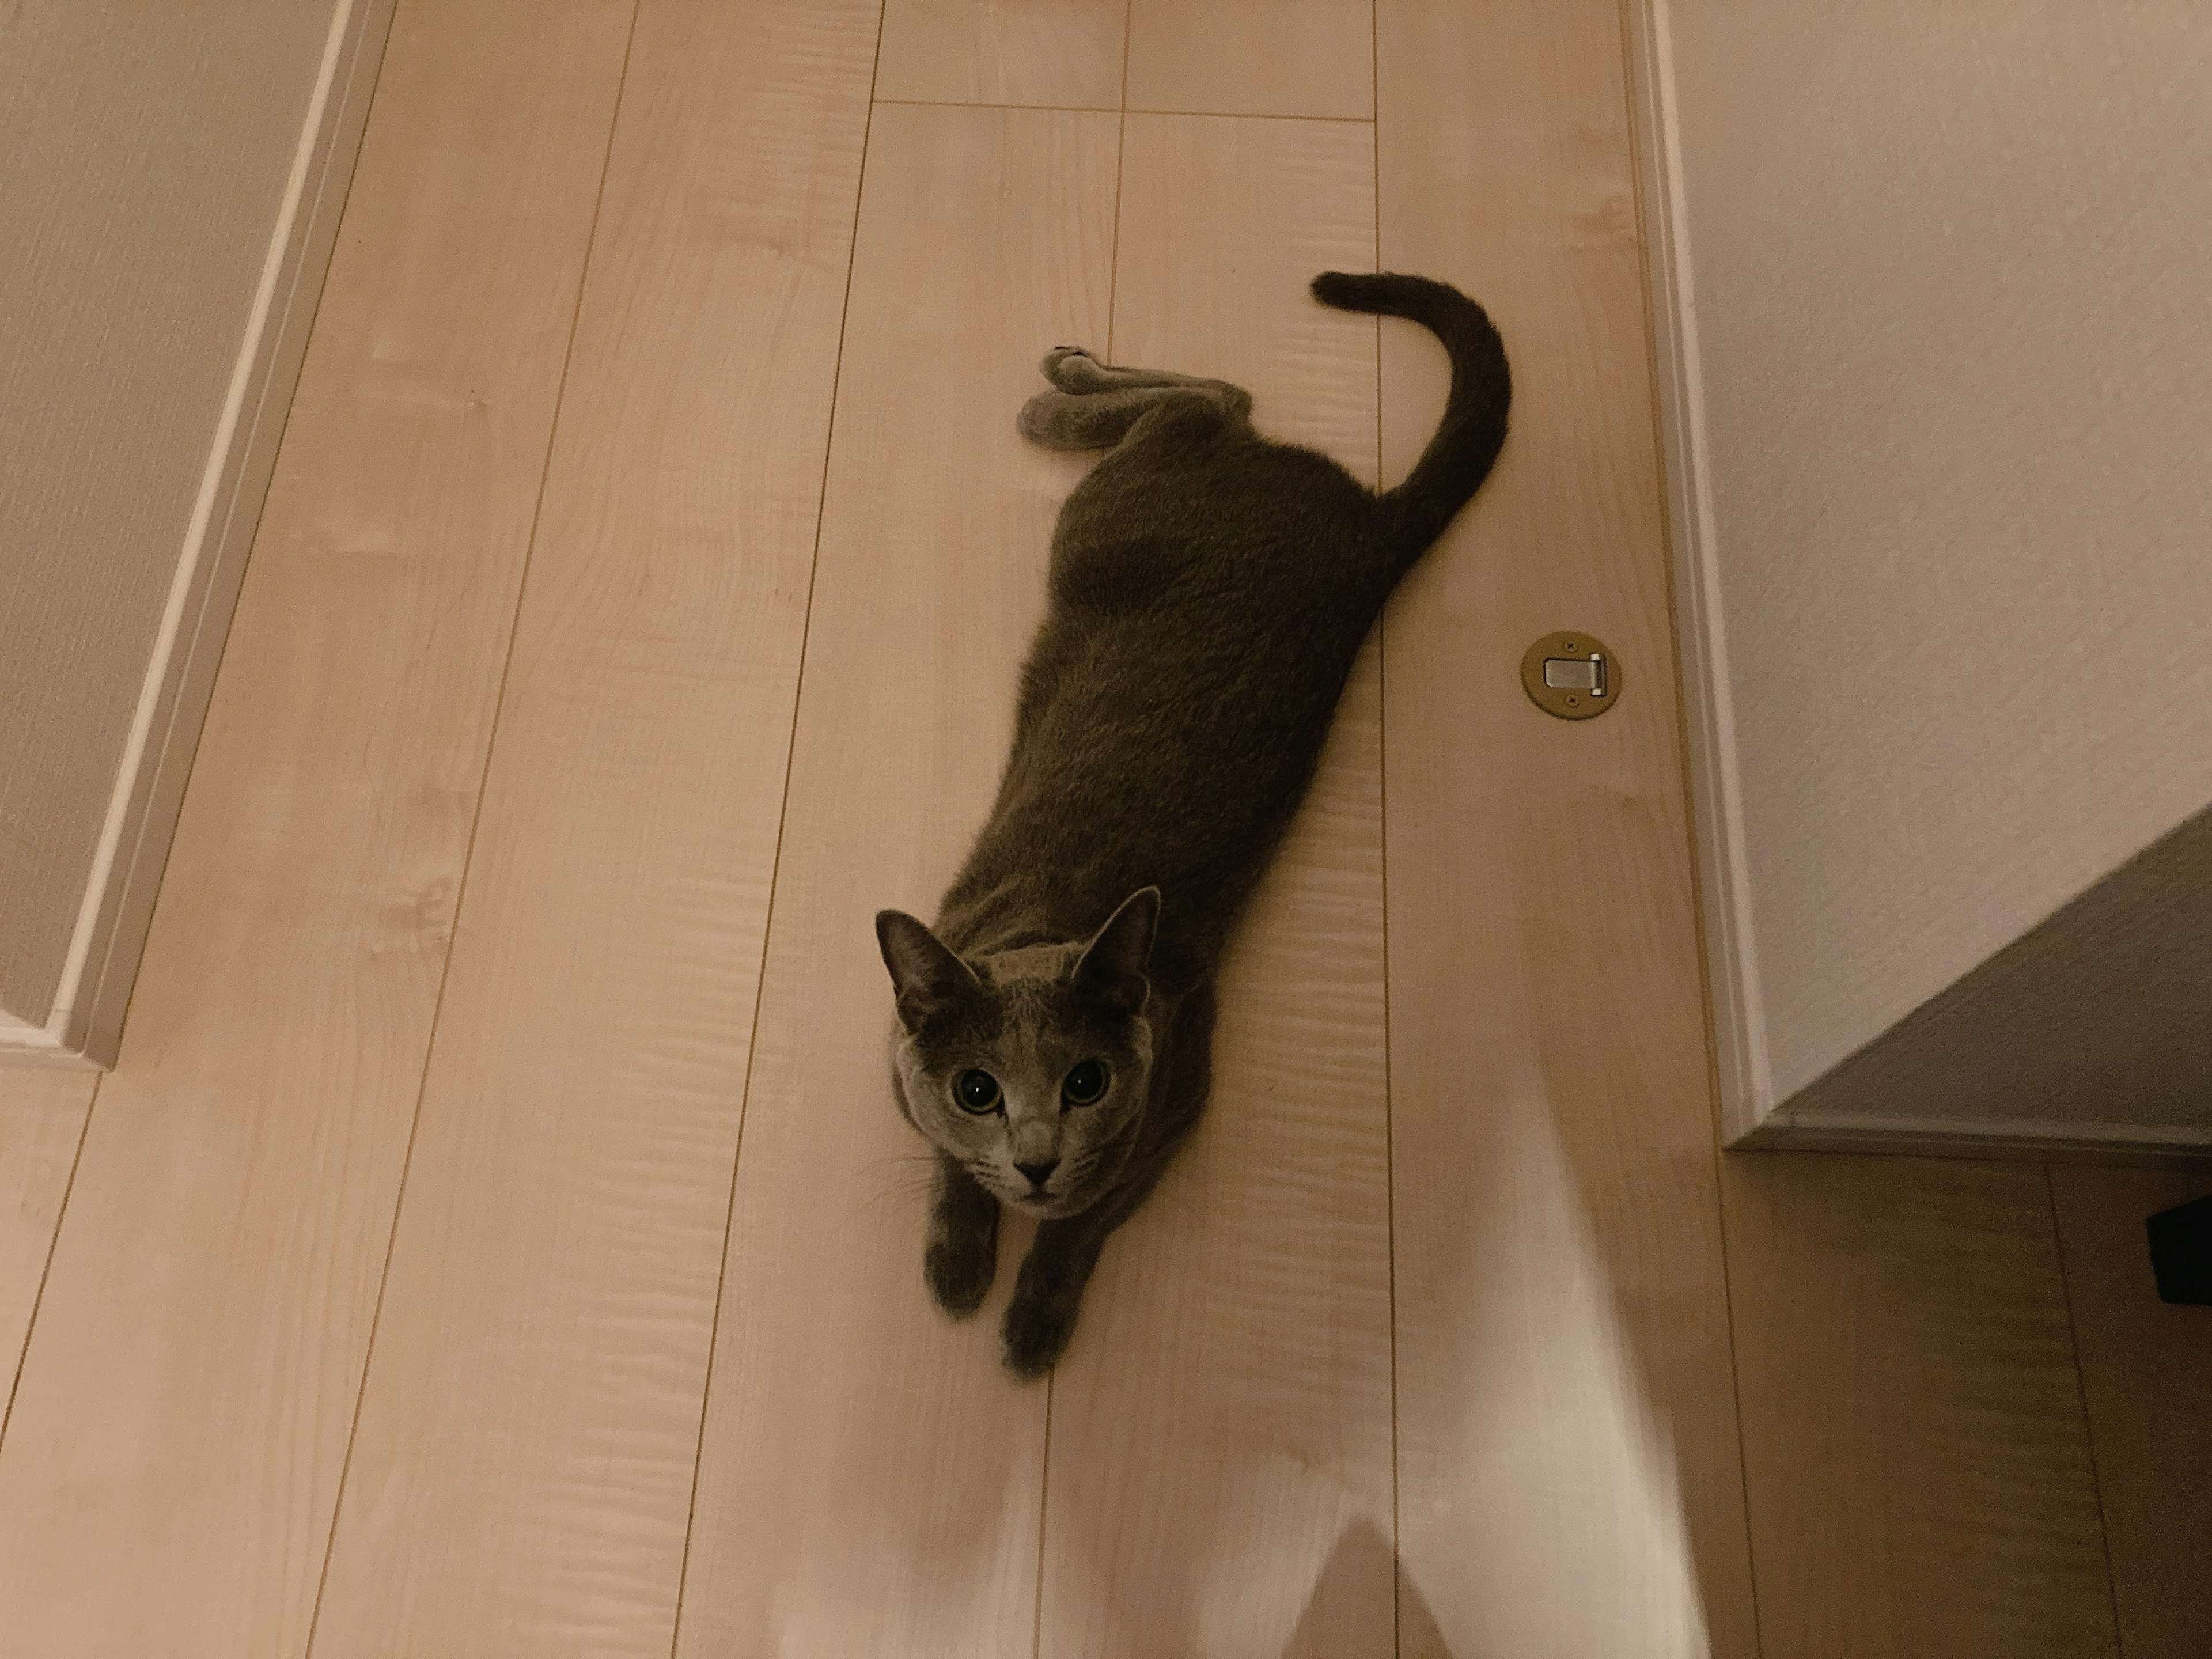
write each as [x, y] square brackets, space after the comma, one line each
[1209, 591]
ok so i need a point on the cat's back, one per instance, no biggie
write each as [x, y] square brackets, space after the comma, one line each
[1204, 612]
[1239, 532]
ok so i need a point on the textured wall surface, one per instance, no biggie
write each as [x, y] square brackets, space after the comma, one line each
[143, 156]
[1950, 273]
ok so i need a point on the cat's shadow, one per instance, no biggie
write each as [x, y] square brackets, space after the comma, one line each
[1361, 1555]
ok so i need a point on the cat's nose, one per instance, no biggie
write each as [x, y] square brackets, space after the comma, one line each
[1039, 1173]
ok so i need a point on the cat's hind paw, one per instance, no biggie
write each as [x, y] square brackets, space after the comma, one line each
[1075, 371]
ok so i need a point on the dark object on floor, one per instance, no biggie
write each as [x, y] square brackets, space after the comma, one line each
[2181, 1252]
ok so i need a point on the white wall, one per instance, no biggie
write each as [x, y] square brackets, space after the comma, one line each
[1936, 290]
[162, 187]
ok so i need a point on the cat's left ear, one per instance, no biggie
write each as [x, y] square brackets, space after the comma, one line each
[1112, 966]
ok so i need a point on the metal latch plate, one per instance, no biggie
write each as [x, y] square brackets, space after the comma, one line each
[1571, 675]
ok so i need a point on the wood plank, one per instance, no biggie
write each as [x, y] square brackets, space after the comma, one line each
[1221, 1444]
[2146, 1379]
[1062, 53]
[1254, 57]
[1569, 1474]
[169, 1478]
[551, 1295]
[870, 1479]
[42, 1113]
[1916, 1462]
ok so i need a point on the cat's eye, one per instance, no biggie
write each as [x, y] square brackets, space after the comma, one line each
[977, 1092]
[1083, 1084]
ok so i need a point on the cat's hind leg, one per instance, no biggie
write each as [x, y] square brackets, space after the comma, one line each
[1075, 371]
[1063, 420]
[1099, 419]
[1093, 404]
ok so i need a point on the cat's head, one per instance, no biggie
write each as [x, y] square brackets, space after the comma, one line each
[1030, 1067]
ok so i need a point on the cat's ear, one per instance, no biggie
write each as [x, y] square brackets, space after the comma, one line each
[1112, 966]
[926, 977]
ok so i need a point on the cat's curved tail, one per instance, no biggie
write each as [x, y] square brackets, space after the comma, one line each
[1459, 457]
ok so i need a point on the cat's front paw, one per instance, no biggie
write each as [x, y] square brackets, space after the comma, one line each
[959, 1270]
[1036, 1333]
[961, 1256]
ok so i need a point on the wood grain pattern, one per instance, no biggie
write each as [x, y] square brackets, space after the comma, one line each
[42, 1113]
[1569, 1467]
[1917, 1466]
[1064, 52]
[2147, 1380]
[870, 1478]
[169, 1477]
[1253, 57]
[1223, 225]
[1221, 1443]
[552, 1286]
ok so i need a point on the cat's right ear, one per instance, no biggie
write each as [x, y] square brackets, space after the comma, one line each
[928, 977]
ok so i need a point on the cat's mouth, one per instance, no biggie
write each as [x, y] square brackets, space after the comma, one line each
[1046, 1205]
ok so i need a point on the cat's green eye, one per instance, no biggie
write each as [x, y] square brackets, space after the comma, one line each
[1083, 1084]
[977, 1092]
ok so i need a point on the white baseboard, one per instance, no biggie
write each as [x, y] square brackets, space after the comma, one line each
[117, 906]
[1785, 1131]
[1745, 1084]
[22, 1043]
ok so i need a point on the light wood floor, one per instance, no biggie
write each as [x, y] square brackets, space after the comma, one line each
[497, 1239]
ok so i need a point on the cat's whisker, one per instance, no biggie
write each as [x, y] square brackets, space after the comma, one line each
[911, 1202]
[902, 1185]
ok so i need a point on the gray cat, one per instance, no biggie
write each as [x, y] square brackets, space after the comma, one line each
[1210, 589]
